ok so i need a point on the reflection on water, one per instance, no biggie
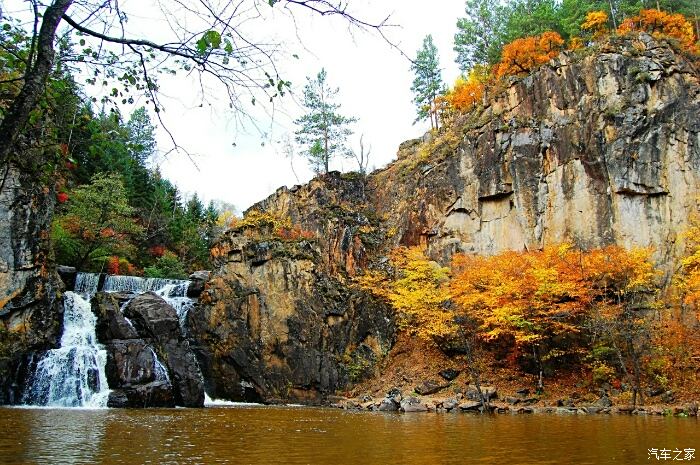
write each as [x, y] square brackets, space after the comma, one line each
[261, 435]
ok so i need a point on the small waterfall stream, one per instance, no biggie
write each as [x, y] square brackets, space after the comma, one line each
[174, 291]
[74, 374]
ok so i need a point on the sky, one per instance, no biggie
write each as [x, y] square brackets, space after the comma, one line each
[374, 81]
[241, 165]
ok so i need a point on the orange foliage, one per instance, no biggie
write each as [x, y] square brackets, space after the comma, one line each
[534, 297]
[113, 265]
[523, 55]
[465, 95]
[596, 22]
[661, 24]
[294, 233]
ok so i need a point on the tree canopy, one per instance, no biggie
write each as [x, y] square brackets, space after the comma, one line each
[427, 84]
[323, 131]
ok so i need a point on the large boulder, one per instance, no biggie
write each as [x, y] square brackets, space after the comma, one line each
[198, 280]
[149, 362]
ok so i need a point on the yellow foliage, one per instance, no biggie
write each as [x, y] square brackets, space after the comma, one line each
[416, 290]
[688, 280]
[596, 22]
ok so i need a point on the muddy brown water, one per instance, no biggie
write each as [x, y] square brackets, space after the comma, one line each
[295, 435]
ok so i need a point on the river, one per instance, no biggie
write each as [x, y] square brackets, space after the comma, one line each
[299, 435]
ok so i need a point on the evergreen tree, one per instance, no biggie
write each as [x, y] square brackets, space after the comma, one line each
[141, 135]
[427, 84]
[480, 34]
[324, 130]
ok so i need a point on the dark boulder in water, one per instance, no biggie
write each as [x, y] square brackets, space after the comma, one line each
[149, 362]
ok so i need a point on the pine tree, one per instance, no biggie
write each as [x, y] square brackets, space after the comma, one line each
[427, 84]
[323, 131]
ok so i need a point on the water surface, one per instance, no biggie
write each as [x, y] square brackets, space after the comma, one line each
[277, 435]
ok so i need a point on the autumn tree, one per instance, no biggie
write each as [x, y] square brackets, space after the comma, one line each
[97, 223]
[541, 300]
[523, 55]
[427, 83]
[416, 289]
[623, 283]
[596, 23]
[468, 92]
[323, 130]
[661, 24]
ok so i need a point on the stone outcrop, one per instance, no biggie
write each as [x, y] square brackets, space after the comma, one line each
[149, 363]
[595, 148]
[272, 325]
[29, 287]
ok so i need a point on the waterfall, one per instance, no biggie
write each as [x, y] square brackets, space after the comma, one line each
[86, 283]
[173, 291]
[74, 374]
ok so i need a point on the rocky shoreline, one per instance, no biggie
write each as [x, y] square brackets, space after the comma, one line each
[518, 404]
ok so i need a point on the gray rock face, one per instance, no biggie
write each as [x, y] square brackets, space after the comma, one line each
[149, 363]
[583, 150]
[198, 280]
[30, 309]
[275, 326]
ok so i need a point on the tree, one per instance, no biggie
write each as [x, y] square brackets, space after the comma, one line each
[323, 131]
[538, 302]
[479, 36]
[523, 55]
[97, 223]
[141, 135]
[659, 24]
[427, 84]
[362, 157]
[116, 54]
[417, 290]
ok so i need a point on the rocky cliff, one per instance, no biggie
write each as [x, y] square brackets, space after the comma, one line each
[597, 147]
[29, 305]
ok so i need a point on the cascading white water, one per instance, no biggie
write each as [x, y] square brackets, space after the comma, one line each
[86, 283]
[74, 374]
[174, 291]
[176, 295]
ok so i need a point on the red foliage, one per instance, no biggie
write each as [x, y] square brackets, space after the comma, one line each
[62, 197]
[113, 265]
[157, 251]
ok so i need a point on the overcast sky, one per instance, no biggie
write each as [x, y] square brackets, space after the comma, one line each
[232, 164]
[374, 82]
